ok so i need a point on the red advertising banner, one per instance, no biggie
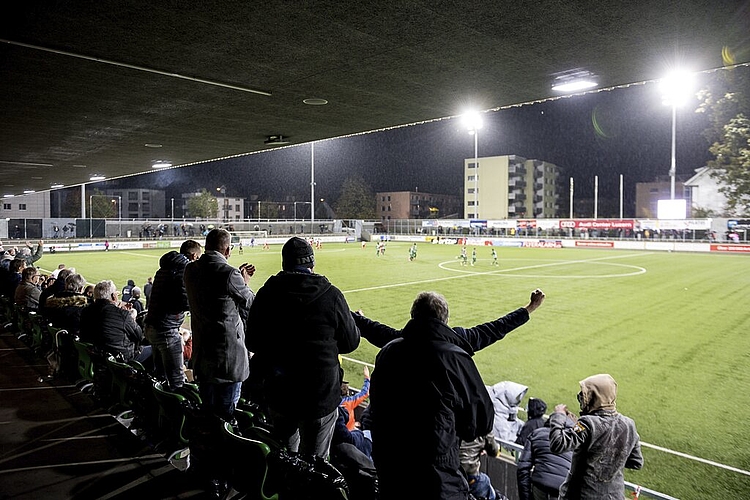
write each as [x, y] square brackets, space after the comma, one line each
[595, 244]
[597, 224]
[731, 248]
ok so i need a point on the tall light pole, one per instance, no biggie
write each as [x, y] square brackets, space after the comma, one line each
[473, 122]
[675, 90]
[223, 190]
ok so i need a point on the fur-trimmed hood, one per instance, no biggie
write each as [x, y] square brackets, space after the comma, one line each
[74, 300]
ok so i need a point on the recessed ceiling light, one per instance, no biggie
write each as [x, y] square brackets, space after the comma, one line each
[28, 191]
[97, 177]
[314, 101]
[37, 178]
[8, 195]
[574, 85]
[152, 145]
[79, 166]
[573, 79]
[56, 185]
[275, 140]
[161, 164]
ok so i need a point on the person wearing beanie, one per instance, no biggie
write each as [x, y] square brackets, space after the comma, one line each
[535, 409]
[603, 441]
[299, 323]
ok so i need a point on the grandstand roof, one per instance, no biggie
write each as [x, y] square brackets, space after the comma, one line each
[104, 87]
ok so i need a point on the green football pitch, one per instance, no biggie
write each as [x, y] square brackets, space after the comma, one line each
[672, 328]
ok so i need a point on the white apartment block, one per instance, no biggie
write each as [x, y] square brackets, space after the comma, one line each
[510, 187]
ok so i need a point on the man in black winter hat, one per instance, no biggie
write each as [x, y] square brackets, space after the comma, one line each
[298, 325]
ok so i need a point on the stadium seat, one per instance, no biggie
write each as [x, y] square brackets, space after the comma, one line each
[173, 421]
[250, 470]
[85, 366]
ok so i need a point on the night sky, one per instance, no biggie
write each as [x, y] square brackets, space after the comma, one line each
[622, 131]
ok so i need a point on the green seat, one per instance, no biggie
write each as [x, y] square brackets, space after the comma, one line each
[85, 365]
[171, 420]
[249, 472]
[123, 391]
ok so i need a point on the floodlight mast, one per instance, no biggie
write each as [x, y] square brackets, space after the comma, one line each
[675, 89]
[473, 122]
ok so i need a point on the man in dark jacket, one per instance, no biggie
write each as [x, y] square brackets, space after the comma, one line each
[540, 472]
[112, 328]
[298, 326]
[166, 312]
[455, 406]
[219, 301]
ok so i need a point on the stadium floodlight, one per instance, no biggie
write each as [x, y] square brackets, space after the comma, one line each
[472, 120]
[676, 90]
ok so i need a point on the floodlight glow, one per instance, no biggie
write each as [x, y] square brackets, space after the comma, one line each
[472, 120]
[161, 164]
[56, 186]
[574, 85]
[28, 191]
[677, 88]
[671, 209]
[97, 177]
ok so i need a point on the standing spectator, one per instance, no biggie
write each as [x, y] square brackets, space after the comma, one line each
[454, 406]
[28, 291]
[147, 290]
[135, 300]
[603, 441]
[506, 398]
[478, 337]
[166, 312]
[298, 326]
[535, 409]
[125, 295]
[540, 472]
[469, 453]
[110, 325]
[219, 301]
[30, 257]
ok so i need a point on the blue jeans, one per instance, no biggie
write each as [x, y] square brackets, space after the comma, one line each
[168, 360]
[480, 486]
[220, 398]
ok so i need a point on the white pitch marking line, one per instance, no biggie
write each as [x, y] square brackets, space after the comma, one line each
[495, 272]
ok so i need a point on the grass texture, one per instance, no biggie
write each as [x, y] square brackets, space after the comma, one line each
[671, 328]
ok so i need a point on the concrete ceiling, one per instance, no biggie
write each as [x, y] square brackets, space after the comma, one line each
[92, 86]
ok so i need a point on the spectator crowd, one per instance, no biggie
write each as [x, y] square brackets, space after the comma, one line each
[279, 347]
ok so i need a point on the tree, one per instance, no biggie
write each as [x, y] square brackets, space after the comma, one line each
[357, 201]
[727, 103]
[102, 206]
[204, 205]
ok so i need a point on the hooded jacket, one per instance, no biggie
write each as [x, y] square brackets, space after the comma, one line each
[506, 398]
[168, 301]
[603, 443]
[298, 326]
[219, 302]
[538, 466]
[422, 460]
